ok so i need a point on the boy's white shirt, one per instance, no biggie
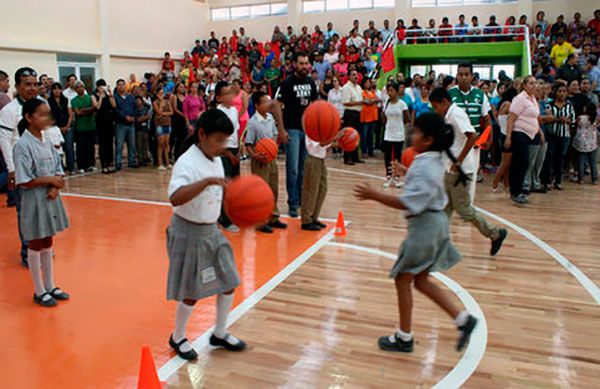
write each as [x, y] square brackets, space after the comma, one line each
[54, 136]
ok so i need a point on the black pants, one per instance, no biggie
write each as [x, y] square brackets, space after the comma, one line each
[231, 171]
[390, 148]
[351, 119]
[519, 162]
[86, 154]
[106, 141]
[178, 134]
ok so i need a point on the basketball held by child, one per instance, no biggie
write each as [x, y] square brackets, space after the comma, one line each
[249, 201]
[408, 156]
[321, 121]
[268, 147]
[349, 139]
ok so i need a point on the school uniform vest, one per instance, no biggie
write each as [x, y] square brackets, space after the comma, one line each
[471, 103]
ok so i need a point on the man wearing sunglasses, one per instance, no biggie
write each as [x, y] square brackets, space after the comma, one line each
[10, 115]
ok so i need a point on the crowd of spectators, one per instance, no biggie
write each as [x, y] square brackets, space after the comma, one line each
[153, 114]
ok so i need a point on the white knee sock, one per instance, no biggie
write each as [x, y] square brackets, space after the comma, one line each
[33, 258]
[224, 302]
[182, 316]
[461, 318]
[46, 260]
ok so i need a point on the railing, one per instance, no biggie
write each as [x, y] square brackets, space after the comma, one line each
[465, 34]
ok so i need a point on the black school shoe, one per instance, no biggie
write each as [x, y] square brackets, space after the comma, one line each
[319, 224]
[59, 294]
[310, 227]
[39, 300]
[218, 342]
[187, 355]
[395, 344]
[497, 244]
[277, 224]
[465, 332]
[265, 229]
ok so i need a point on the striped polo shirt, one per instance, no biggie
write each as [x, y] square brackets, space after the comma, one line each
[561, 130]
[475, 103]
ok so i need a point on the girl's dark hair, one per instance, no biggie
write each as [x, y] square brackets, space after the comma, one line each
[434, 127]
[508, 95]
[212, 121]
[56, 85]
[393, 84]
[29, 108]
[218, 92]
[556, 87]
[590, 110]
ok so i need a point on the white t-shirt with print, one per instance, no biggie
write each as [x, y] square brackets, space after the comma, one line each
[394, 126]
[193, 166]
[461, 125]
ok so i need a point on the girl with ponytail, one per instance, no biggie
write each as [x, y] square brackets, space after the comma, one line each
[427, 247]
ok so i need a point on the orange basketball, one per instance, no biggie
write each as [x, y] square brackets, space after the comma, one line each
[268, 147]
[249, 201]
[321, 121]
[407, 157]
[349, 140]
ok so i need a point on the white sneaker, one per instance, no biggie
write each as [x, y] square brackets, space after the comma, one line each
[398, 183]
[233, 228]
[161, 167]
[388, 182]
[80, 171]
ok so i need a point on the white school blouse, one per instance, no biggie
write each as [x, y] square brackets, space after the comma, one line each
[191, 167]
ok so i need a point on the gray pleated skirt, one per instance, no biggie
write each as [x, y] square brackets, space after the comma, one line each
[201, 262]
[427, 246]
[41, 217]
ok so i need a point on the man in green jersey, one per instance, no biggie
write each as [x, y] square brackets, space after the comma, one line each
[476, 105]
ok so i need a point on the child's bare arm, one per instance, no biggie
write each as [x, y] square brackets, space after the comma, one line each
[366, 192]
[188, 192]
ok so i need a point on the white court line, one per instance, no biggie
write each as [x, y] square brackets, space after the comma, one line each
[476, 348]
[201, 343]
[584, 280]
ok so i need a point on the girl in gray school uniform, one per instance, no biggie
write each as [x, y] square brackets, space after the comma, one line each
[427, 248]
[39, 173]
[201, 262]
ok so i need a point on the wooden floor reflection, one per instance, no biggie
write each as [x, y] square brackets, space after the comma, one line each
[319, 327]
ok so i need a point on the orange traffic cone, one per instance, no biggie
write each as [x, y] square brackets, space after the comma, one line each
[148, 378]
[340, 227]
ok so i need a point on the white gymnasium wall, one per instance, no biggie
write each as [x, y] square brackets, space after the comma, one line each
[71, 24]
[11, 60]
[33, 31]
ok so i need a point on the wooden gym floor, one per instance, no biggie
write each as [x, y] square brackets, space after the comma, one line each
[311, 306]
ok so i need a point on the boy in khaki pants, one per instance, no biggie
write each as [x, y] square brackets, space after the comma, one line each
[262, 125]
[314, 185]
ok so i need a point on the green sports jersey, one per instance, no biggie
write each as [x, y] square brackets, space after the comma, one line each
[474, 103]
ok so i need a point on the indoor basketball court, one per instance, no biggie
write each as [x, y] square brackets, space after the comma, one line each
[310, 305]
[254, 194]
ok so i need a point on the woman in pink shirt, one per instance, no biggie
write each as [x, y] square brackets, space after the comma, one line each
[240, 102]
[193, 106]
[522, 130]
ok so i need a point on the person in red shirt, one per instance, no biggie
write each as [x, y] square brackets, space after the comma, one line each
[233, 41]
[594, 24]
[445, 30]
[315, 35]
[400, 31]
[186, 58]
[167, 60]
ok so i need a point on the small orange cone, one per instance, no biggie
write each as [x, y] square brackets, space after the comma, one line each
[148, 378]
[340, 227]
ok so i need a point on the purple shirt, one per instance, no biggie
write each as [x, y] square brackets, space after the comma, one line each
[192, 106]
